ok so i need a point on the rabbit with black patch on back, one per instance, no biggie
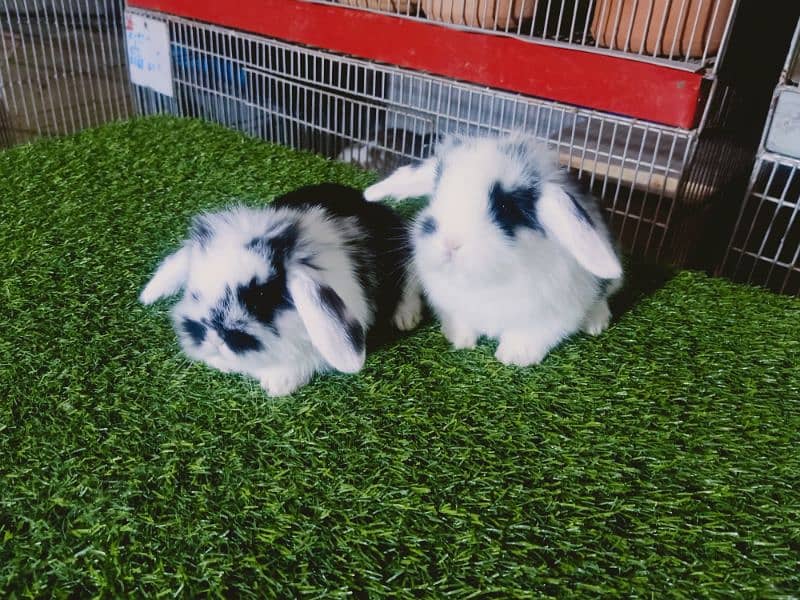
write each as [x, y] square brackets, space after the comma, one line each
[508, 246]
[282, 292]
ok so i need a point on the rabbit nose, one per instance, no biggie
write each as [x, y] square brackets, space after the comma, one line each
[452, 245]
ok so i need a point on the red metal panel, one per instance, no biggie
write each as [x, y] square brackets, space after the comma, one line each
[608, 83]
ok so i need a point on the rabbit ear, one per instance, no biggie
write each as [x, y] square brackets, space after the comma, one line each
[333, 330]
[570, 224]
[410, 181]
[169, 278]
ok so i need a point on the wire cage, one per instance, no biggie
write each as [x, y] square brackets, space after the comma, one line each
[765, 246]
[654, 167]
[382, 116]
[62, 67]
[690, 34]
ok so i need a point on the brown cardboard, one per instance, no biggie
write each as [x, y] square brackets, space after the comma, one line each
[394, 6]
[489, 14]
[675, 28]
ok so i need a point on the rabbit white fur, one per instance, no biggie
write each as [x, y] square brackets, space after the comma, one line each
[285, 291]
[507, 247]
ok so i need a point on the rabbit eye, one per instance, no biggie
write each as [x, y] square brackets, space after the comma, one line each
[265, 300]
[239, 341]
[256, 289]
[428, 225]
[511, 209]
[195, 330]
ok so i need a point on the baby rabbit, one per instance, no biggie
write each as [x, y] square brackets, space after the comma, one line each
[291, 289]
[508, 247]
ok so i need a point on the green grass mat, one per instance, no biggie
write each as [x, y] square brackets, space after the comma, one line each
[661, 459]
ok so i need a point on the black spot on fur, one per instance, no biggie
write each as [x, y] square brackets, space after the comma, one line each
[355, 334]
[201, 232]
[283, 243]
[333, 303]
[580, 211]
[239, 341]
[513, 209]
[264, 300]
[602, 286]
[427, 226]
[194, 330]
[217, 316]
[277, 247]
[379, 253]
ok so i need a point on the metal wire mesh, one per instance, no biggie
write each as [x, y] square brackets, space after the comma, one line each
[690, 33]
[62, 67]
[380, 117]
[765, 248]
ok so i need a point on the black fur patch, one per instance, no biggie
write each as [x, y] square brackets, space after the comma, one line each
[333, 303]
[195, 330]
[356, 336]
[276, 247]
[378, 255]
[513, 209]
[239, 341]
[200, 231]
[264, 300]
[284, 243]
[580, 211]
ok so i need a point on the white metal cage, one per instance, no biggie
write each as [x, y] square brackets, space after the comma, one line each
[62, 67]
[765, 246]
[381, 116]
[689, 34]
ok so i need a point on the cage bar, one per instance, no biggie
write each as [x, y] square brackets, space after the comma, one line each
[380, 116]
[689, 34]
[602, 81]
[62, 67]
[765, 246]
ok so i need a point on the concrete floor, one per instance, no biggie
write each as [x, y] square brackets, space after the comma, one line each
[57, 79]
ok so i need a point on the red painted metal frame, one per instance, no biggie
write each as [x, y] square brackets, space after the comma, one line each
[587, 79]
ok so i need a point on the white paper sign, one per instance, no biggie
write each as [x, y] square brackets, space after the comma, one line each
[148, 53]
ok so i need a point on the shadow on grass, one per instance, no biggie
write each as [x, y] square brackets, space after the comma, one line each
[641, 281]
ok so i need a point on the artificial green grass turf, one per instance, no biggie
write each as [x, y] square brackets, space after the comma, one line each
[660, 458]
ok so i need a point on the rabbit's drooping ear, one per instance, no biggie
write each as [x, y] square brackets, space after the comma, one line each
[169, 278]
[406, 182]
[570, 224]
[333, 330]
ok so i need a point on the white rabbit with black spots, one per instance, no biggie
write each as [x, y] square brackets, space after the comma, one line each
[508, 247]
[291, 289]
